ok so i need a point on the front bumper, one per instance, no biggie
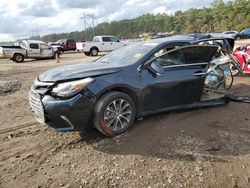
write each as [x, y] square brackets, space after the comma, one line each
[63, 115]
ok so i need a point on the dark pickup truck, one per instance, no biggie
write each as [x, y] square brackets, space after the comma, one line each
[65, 44]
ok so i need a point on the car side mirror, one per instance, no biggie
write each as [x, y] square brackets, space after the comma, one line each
[156, 68]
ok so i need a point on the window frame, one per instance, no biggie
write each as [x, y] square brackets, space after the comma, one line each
[38, 47]
[180, 65]
[45, 48]
[116, 39]
[107, 38]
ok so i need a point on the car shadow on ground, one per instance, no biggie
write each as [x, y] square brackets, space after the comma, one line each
[210, 134]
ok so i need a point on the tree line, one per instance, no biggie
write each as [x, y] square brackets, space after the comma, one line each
[219, 17]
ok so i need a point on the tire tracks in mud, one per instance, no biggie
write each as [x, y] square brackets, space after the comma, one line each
[17, 127]
[33, 158]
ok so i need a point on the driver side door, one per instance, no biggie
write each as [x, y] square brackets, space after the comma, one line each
[182, 79]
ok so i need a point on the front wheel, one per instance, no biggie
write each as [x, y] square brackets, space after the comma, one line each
[114, 113]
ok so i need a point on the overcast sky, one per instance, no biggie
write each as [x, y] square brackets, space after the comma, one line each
[24, 18]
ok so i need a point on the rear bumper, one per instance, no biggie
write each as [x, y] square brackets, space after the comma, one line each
[65, 115]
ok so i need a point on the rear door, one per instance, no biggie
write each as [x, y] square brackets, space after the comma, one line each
[33, 50]
[183, 79]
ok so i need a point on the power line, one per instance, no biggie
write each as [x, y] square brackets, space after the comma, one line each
[85, 18]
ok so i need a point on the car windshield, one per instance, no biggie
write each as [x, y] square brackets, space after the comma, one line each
[128, 54]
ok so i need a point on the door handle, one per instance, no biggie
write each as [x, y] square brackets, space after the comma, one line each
[199, 73]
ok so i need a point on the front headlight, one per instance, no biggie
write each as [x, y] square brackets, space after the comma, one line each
[69, 89]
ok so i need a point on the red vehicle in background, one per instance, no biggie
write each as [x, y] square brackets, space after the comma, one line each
[242, 54]
[65, 44]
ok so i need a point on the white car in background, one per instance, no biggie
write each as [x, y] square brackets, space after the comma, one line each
[104, 43]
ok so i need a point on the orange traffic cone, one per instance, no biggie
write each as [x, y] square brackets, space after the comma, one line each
[57, 58]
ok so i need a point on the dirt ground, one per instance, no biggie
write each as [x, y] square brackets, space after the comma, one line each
[197, 148]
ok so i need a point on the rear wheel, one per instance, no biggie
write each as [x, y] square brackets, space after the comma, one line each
[94, 51]
[114, 113]
[19, 58]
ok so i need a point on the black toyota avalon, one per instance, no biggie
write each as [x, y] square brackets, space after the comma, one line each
[134, 81]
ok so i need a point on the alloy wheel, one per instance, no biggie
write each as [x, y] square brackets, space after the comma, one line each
[118, 114]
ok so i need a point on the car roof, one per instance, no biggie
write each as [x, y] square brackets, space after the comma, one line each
[188, 38]
[179, 38]
[35, 41]
[105, 36]
[230, 32]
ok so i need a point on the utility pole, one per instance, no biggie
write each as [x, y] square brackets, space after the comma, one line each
[93, 23]
[86, 23]
[83, 17]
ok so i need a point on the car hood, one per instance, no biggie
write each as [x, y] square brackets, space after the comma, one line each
[81, 70]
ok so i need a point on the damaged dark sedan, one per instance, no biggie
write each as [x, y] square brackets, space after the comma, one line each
[178, 72]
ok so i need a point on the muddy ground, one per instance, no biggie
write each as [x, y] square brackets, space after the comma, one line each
[197, 148]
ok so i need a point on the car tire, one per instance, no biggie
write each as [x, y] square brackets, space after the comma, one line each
[87, 53]
[114, 113]
[18, 58]
[94, 51]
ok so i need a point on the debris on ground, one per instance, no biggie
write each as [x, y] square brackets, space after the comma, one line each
[7, 87]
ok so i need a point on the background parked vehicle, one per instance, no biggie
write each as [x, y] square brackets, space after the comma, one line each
[242, 54]
[29, 49]
[103, 43]
[244, 34]
[65, 44]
